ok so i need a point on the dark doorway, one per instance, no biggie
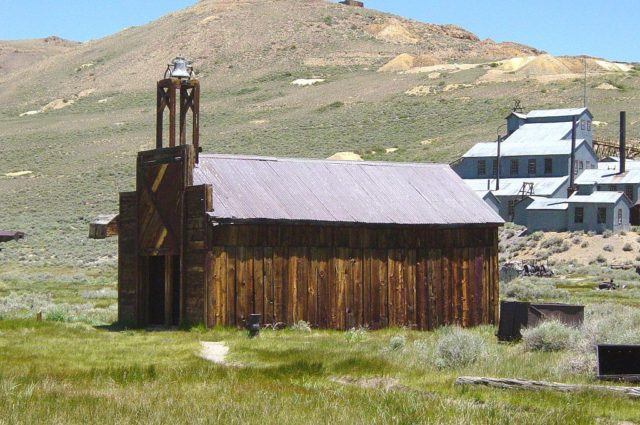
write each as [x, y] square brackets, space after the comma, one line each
[156, 290]
[164, 290]
[635, 215]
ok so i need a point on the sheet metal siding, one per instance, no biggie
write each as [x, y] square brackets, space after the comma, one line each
[255, 188]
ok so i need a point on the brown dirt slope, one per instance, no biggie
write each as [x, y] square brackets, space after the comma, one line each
[230, 38]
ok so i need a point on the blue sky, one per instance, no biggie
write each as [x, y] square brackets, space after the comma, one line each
[594, 27]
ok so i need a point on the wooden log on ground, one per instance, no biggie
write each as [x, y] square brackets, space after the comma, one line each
[522, 384]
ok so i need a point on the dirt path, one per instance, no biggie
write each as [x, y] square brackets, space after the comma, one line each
[214, 351]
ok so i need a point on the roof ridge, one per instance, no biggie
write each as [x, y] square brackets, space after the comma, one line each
[320, 160]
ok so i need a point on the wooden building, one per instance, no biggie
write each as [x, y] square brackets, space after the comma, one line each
[214, 238]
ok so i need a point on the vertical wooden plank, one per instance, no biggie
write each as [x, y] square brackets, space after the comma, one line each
[423, 315]
[485, 285]
[322, 267]
[383, 285]
[449, 292]
[465, 301]
[357, 272]
[258, 282]
[436, 285]
[495, 281]
[410, 287]
[397, 288]
[230, 303]
[302, 271]
[312, 286]
[292, 270]
[367, 301]
[219, 283]
[478, 305]
[244, 285]
[441, 270]
[342, 267]
[269, 290]
[280, 278]
[209, 290]
[470, 265]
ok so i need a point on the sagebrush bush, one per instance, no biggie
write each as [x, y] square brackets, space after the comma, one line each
[607, 234]
[627, 247]
[397, 342]
[549, 336]
[552, 241]
[301, 326]
[537, 236]
[356, 334]
[584, 244]
[525, 290]
[457, 347]
[608, 248]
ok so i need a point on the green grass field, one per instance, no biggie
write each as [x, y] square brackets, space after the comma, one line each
[74, 367]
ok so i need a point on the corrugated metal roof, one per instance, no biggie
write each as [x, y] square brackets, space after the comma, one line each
[552, 113]
[279, 189]
[597, 198]
[612, 164]
[541, 203]
[542, 186]
[540, 133]
[531, 148]
[631, 176]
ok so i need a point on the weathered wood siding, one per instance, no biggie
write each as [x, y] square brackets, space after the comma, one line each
[128, 300]
[340, 277]
[196, 260]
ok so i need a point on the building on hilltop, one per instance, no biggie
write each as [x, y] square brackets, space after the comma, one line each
[546, 196]
[215, 238]
[535, 158]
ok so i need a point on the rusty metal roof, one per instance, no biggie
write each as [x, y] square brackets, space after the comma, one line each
[303, 190]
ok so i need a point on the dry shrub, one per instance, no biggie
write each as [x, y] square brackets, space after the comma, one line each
[550, 335]
[457, 347]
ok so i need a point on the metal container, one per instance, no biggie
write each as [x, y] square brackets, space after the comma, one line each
[619, 362]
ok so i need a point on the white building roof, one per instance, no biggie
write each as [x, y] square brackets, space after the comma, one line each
[540, 132]
[541, 203]
[552, 113]
[542, 186]
[604, 197]
[531, 148]
[612, 163]
[600, 176]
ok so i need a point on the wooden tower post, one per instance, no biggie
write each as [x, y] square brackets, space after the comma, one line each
[178, 78]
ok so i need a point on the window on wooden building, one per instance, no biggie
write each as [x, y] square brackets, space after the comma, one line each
[628, 190]
[619, 215]
[514, 167]
[548, 165]
[531, 167]
[495, 167]
[602, 215]
[578, 215]
[482, 167]
[613, 188]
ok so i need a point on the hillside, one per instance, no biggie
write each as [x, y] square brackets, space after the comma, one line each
[74, 115]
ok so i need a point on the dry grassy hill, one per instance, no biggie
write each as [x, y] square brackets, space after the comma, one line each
[73, 116]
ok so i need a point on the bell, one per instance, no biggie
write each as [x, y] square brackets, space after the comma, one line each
[179, 68]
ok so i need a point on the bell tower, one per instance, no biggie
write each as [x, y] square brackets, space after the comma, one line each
[179, 78]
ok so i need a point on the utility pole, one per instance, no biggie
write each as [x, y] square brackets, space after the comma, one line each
[584, 95]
